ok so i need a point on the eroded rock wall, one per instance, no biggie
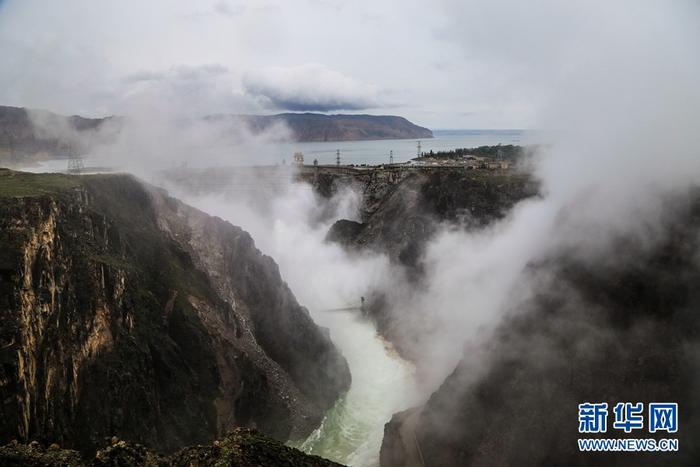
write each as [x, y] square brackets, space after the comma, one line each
[125, 312]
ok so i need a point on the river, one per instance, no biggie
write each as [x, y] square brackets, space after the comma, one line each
[382, 384]
[324, 277]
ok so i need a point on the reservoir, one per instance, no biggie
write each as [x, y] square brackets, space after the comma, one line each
[273, 153]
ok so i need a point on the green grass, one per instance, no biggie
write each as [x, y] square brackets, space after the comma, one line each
[23, 184]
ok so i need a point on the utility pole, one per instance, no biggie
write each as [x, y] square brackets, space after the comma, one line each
[75, 164]
[391, 157]
[337, 157]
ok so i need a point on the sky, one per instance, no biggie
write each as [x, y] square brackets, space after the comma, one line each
[440, 63]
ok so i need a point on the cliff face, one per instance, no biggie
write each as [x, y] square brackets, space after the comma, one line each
[401, 211]
[125, 312]
[620, 325]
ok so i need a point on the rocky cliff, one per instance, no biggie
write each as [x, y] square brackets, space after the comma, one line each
[402, 209]
[618, 325]
[239, 448]
[125, 312]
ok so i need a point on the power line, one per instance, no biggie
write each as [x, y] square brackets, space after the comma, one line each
[75, 164]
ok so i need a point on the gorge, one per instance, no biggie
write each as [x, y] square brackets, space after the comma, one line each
[121, 309]
[225, 242]
[165, 287]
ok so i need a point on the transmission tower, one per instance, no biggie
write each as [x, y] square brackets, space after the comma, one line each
[418, 152]
[75, 164]
[391, 157]
[337, 157]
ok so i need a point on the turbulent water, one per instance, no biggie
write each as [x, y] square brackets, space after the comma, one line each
[351, 433]
[324, 277]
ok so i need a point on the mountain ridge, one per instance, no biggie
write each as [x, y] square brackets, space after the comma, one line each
[311, 127]
[23, 141]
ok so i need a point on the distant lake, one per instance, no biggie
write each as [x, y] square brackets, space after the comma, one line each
[377, 151]
[351, 152]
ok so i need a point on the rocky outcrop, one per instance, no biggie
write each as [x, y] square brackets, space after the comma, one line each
[125, 312]
[239, 448]
[617, 325]
[403, 208]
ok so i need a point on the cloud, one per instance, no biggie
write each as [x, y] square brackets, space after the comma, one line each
[227, 9]
[193, 91]
[496, 59]
[310, 87]
[625, 105]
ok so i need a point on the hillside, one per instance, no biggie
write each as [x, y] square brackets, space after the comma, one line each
[23, 141]
[126, 312]
[619, 324]
[319, 127]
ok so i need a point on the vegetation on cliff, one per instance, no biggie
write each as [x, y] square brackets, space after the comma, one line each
[239, 448]
[508, 152]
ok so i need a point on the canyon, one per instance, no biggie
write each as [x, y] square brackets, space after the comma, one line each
[127, 313]
[165, 287]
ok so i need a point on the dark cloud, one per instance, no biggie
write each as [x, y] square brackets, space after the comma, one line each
[309, 88]
[299, 104]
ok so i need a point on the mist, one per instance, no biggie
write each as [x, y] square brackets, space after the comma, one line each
[618, 95]
[158, 132]
[291, 227]
[622, 114]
